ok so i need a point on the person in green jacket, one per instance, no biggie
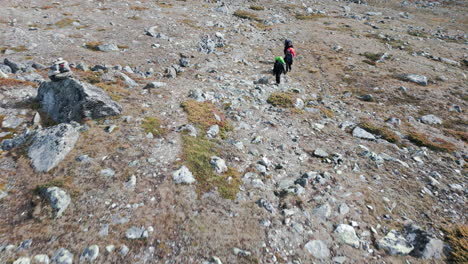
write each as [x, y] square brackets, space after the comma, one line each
[278, 69]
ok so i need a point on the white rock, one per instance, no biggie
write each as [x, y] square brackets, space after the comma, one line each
[183, 175]
[90, 254]
[41, 259]
[346, 234]
[318, 249]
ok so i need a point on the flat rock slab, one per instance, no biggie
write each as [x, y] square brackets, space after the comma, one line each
[71, 100]
[50, 146]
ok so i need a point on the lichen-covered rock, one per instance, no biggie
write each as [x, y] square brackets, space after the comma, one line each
[71, 100]
[395, 244]
[58, 199]
[50, 146]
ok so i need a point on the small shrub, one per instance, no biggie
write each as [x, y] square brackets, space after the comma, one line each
[134, 18]
[115, 90]
[61, 182]
[437, 144]
[247, 15]
[372, 56]
[384, 132]
[190, 23]
[417, 33]
[281, 99]
[257, 7]
[462, 135]
[65, 22]
[165, 5]
[310, 16]
[153, 125]
[138, 8]
[327, 112]
[457, 237]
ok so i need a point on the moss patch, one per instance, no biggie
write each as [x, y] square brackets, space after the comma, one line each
[153, 125]
[61, 182]
[282, 99]
[197, 153]
[384, 132]
[115, 90]
[457, 237]
[437, 144]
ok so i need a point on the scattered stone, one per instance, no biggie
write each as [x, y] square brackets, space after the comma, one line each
[131, 182]
[110, 129]
[124, 250]
[266, 204]
[22, 260]
[71, 100]
[110, 248]
[129, 82]
[58, 199]
[320, 153]
[318, 249]
[213, 131]
[241, 253]
[346, 234]
[152, 85]
[431, 120]
[108, 47]
[263, 80]
[323, 211]
[12, 122]
[366, 98]
[192, 131]
[136, 233]
[62, 256]
[395, 244]
[171, 72]
[90, 254]
[108, 172]
[41, 259]
[183, 175]
[361, 133]
[414, 78]
[50, 146]
[343, 209]
[14, 66]
[219, 164]
[299, 103]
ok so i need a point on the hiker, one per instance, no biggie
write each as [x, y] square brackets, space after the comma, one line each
[289, 54]
[278, 69]
[59, 70]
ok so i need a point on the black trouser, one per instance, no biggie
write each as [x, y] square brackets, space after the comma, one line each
[278, 78]
[288, 67]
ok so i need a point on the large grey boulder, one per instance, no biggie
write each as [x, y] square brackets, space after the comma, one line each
[425, 245]
[50, 146]
[71, 100]
[395, 244]
[414, 78]
[431, 120]
[58, 199]
[62, 256]
[361, 133]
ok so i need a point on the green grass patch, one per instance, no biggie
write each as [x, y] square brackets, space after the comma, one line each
[196, 155]
[383, 132]
[153, 125]
[257, 7]
[65, 22]
[247, 15]
[93, 45]
[15, 49]
[437, 144]
[309, 17]
[203, 115]
[282, 99]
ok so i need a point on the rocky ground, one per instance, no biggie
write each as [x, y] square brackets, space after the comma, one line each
[172, 144]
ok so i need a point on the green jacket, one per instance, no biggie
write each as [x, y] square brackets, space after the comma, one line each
[279, 58]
